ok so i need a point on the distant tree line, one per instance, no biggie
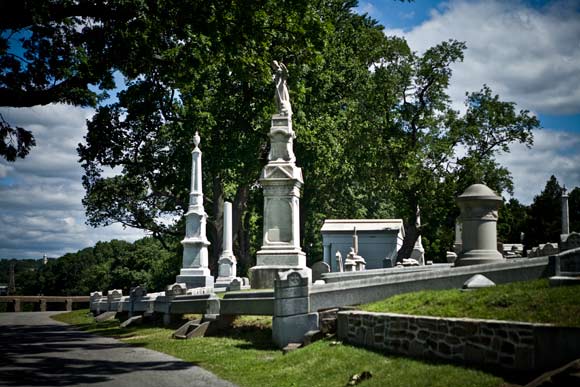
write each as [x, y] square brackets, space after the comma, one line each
[541, 221]
[107, 265]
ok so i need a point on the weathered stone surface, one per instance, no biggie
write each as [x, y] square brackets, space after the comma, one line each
[195, 271]
[479, 213]
[509, 345]
[132, 321]
[105, 316]
[319, 268]
[291, 329]
[176, 289]
[478, 281]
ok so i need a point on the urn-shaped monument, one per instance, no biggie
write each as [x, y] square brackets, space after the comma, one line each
[479, 207]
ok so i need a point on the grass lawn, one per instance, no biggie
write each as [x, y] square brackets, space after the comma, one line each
[245, 355]
[531, 301]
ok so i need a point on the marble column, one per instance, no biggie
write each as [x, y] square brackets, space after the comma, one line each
[565, 213]
[195, 271]
[479, 207]
[227, 262]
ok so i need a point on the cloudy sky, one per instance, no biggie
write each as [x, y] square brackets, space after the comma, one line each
[527, 51]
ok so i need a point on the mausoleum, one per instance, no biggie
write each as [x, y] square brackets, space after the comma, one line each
[378, 239]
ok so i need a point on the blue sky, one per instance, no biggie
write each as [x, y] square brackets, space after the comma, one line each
[526, 51]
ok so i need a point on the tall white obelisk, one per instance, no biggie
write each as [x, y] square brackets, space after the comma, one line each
[227, 264]
[281, 180]
[195, 271]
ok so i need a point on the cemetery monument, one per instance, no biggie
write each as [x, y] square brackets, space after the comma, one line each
[195, 271]
[281, 180]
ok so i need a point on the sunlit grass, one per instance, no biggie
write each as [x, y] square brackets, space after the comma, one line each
[246, 356]
[531, 301]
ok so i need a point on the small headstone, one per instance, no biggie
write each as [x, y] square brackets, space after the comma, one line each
[176, 289]
[451, 257]
[236, 284]
[245, 281]
[570, 241]
[115, 293]
[105, 316]
[319, 268]
[138, 292]
[478, 281]
[182, 331]
[131, 321]
[95, 296]
[549, 249]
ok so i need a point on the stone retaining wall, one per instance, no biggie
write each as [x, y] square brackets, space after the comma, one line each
[510, 345]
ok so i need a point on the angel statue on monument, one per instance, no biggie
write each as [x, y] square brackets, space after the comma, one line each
[282, 95]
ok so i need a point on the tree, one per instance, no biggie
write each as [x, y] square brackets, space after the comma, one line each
[415, 135]
[52, 52]
[512, 221]
[544, 218]
[218, 81]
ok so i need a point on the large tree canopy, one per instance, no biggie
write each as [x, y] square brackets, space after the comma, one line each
[376, 132]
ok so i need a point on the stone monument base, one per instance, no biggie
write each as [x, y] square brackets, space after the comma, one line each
[195, 278]
[262, 277]
[477, 257]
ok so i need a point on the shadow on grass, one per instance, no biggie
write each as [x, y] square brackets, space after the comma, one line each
[513, 377]
[257, 338]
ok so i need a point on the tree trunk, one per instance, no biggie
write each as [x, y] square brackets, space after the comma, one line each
[411, 236]
[412, 232]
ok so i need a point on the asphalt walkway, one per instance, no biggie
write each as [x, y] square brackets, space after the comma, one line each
[38, 351]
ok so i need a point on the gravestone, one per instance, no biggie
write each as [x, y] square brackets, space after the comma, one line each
[479, 207]
[195, 271]
[281, 180]
[319, 268]
[570, 241]
[292, 317]
[227, 261]
[95, 296]
[478, 281]
[567, 267]
[138, 292]
[176, 289]
[549, 249]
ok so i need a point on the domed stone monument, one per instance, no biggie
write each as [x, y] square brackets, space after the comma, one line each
[479, 207]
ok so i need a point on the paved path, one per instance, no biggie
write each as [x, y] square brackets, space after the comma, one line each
[38, 351]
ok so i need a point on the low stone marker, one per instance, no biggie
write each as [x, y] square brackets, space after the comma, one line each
[132, 321]
[478, 281]
[194, 328]
[291, 308]
[106, 316]
[319, 268]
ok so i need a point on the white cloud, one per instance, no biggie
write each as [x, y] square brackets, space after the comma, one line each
[528, 55]
[40, 196]
[368, 8]
[554, 153]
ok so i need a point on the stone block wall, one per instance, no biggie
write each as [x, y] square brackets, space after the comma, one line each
[510, 345]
